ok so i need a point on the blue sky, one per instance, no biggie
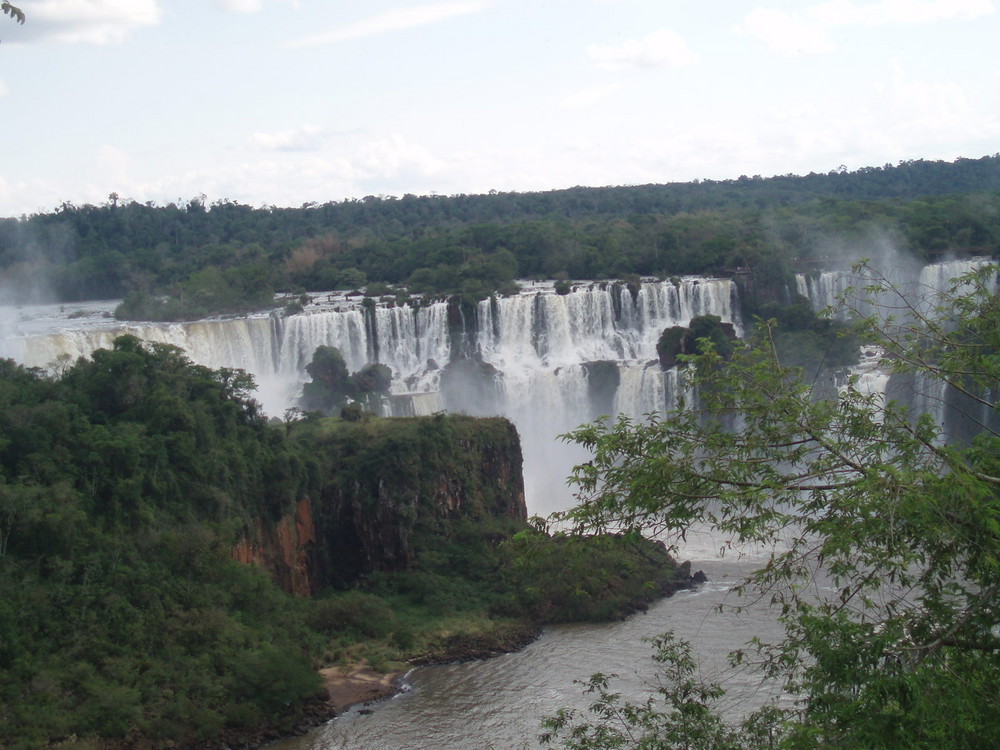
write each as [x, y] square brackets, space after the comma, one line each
[284, 102]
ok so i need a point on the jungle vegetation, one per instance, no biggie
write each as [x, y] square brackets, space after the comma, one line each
[884, 535]
[127, 480]
[187, 260]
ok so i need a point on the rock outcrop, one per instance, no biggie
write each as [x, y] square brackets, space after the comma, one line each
[401, 483]
[388, 488]
[284, 549]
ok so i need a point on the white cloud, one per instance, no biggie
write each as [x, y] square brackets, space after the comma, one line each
[806, 31]
[88, 21]
[3, 88]
[240, 6]
[304, 138]
[663, 47]
[394, 20]
[926, 110]
[785, 33]
[394, 156]
[893, 12]
[591, 96]
[388, 165]
[247, 6]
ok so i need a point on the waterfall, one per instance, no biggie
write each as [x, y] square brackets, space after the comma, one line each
[926, 290]
[924, 283]
[547, 361]
[824, 289]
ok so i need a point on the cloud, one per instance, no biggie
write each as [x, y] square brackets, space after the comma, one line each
[247, 6]
[86, 21]
[806, 31]
[899, 12]
[304, 138]
[661, 48]
[591, 96]
[113, 163]
[394, 20]
[931, 110]
[785, 33]
[240, 6]
[393, 157]
[384, 165]
[3, 89]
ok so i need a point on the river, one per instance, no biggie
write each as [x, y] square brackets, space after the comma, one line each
[498, 704]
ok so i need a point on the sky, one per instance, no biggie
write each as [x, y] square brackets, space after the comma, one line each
[289, 102]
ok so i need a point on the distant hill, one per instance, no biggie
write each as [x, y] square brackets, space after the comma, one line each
[228, 256]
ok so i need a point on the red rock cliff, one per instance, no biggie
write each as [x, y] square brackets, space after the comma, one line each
[284, 549]
[390, 486]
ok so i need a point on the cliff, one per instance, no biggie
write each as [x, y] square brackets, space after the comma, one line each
[284, 549]
[389, 488]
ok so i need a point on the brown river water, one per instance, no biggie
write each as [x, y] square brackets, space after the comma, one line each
[498, 704]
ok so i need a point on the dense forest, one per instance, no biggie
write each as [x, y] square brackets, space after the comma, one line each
[188, 260]
[129, 483]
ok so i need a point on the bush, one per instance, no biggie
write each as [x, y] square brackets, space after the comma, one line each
[353, 613]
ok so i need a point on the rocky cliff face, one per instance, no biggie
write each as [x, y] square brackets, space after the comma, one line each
[401, 483]
[389, 487]
[285, 549]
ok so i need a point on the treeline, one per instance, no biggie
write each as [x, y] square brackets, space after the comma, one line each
[127, 482]
[188, 260]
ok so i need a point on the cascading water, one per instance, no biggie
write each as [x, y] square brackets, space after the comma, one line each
[534, 352]
[920, 285]
[547, 361]
[919, 291]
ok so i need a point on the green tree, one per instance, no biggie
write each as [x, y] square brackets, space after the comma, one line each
[332, 385]
[677, 340]
[886, 569]
[682, 712]
[331, 382]
[370, 383]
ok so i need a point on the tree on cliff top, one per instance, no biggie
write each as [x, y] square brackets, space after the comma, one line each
[885, 569]
[332, 385]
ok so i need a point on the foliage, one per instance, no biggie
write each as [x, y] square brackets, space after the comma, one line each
[13, 11]
[126, 483]
[807, 341]
[123, 487]
[682, 713]
[190, 259]
[678, 340]
[885, 565]
[209, 291]
[558, 577]
[331, 385]
[449, 539]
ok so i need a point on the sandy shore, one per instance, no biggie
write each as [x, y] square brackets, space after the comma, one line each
[349, 686]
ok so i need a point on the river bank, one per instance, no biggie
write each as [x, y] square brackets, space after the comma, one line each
[500, 702]
[360, 685]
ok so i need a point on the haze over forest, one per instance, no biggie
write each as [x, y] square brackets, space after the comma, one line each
[190, 259]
